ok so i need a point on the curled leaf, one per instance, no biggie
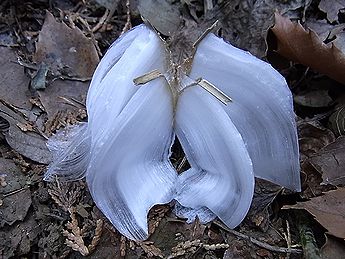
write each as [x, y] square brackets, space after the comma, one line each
[305, 47]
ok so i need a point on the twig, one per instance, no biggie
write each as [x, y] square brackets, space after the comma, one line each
[101, 21]
[287, 237]
[182, 164]
[128, 24]
[15, 192]
[259, 243]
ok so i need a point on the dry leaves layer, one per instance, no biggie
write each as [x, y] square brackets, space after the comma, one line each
[305, 47]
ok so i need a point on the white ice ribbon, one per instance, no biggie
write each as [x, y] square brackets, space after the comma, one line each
[124, 148]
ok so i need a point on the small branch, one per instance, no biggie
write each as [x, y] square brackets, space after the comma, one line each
[259, 243]
[101, 21]
[128, 24]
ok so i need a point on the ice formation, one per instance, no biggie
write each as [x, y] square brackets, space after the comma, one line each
[123, 150]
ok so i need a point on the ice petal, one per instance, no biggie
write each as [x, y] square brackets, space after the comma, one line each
[71, 153]
[132, 172]
[262, 107]
[135, 53]
[221, 176]
[108, 96]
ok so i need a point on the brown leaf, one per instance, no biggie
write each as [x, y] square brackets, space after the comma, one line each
[339, 41]
[321, 27]
[333, 248]
[312, 137]
[305, 47]
[329, 211]
[19, 239]
[264, 194]
[246, 23]
[331, 8]
[16, 198]
[29, 144]
[330, 161]
[54, 100]
[164, 16]
[317, 99]
[60, 46]
[109, 4]
[14, 84]
[337, 121]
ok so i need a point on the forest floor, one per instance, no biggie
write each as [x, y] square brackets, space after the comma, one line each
[43, 87]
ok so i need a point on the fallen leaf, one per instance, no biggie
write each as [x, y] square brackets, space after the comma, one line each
[14, 84]
[321, 27]
[339, 41]
[247, 22]
[305, 47]
[52, 97]
[334, 248]
[333, 33]
[329, 211]
[331, 8]
[316, 99]
[109, 4]
[16, 198]
[337, 121]
[29, 144]
[264, 194]
[330, 161]
[38, 82]
[14, 92]
[7, 39]
[312, 137]
[164, 16]
[53, 102]
[65, 49]
[18, 239]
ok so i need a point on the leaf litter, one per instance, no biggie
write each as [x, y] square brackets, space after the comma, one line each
[32, 110]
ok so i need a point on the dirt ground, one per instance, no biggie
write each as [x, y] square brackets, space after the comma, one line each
[43, 87]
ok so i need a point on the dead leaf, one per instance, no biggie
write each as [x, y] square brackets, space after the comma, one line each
[334, 248]
[331, 8]
[164, 16]
[54, 97]
[38, 82]
[29, 144]
[328, 32]
[329, 211]
[14, 84]
[312, 137]
[264, 194]
[109, 4]
[330, 161]
[247, 22]
[316, 99]
[321, 27]
[18, 239]
[337, 121]
[16, 198]
[339, 41]
[65, 49]
[305, 47]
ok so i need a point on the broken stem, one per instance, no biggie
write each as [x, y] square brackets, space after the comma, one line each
[259, 243]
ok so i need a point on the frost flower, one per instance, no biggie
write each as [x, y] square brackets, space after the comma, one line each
[123, 150]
